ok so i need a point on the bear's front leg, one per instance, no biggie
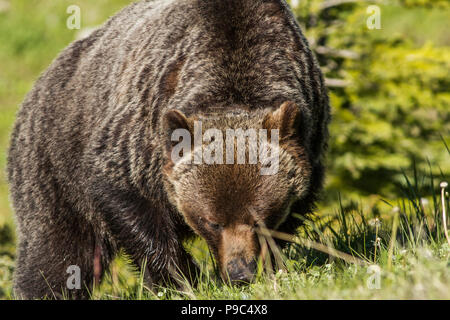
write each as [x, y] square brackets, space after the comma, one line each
[152, 234]
[179, 269]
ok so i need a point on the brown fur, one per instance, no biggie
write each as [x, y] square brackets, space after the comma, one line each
[88, 163]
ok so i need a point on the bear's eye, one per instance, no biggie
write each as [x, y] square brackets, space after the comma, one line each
[215, 226]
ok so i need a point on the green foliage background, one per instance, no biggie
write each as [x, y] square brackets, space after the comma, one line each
[389, 90]
[392, 104]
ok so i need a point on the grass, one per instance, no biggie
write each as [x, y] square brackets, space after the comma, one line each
[403, 238]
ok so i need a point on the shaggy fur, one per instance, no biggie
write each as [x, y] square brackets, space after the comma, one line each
[88, 163]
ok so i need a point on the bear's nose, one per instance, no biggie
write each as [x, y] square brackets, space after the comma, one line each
[241, 272]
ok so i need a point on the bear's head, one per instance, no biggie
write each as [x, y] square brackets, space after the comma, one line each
[232, 172]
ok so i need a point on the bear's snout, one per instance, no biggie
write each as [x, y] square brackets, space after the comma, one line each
[241, 272]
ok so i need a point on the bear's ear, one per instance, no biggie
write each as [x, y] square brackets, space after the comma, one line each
[286, 119]
[175, 120]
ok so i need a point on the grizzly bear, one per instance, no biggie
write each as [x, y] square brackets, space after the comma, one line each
[91, 164]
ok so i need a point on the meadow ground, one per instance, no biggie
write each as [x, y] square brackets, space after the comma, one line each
[356, 247]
